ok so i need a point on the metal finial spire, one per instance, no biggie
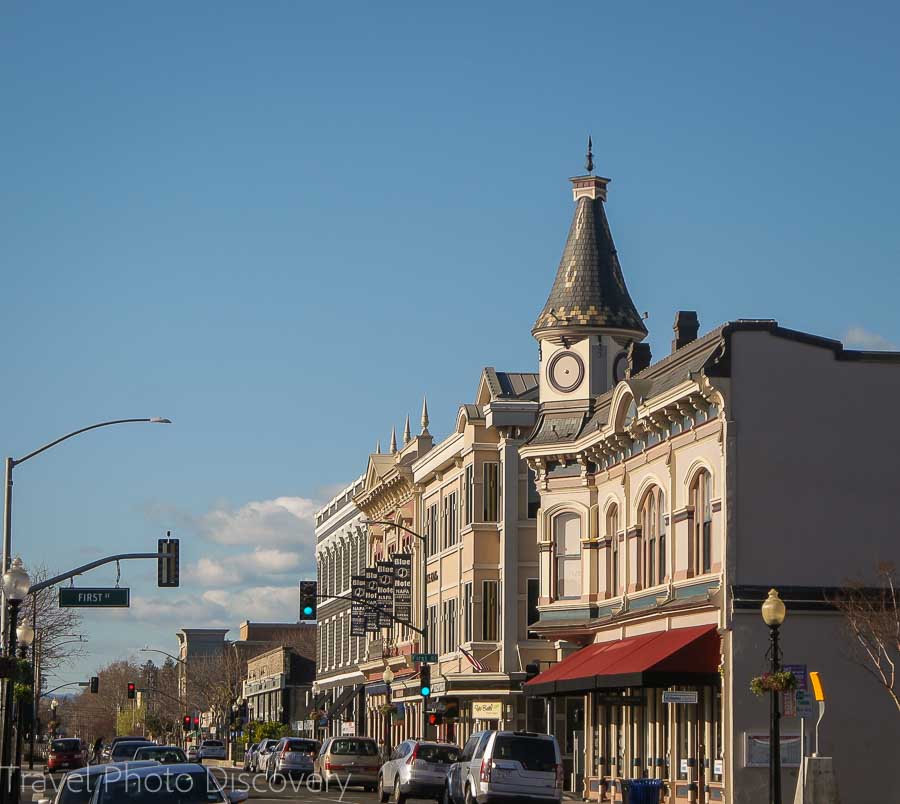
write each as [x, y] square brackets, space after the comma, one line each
[425, 416]
[378, 447]
[393, 440]
[407, 435]
[590, 156]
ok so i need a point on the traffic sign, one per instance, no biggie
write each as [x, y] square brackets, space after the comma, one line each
[680, 697]
[94, 597]
[425, 658]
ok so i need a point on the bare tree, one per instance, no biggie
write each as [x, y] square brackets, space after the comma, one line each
[873, 617]
[58, 637]
[216, 681]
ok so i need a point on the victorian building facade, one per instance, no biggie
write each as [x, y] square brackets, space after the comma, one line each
[341, 552]
[672, 496]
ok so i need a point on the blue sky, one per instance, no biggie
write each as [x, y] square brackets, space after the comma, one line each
[280, 223]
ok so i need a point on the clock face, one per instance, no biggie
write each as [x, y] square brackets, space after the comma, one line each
[619, 367]
[566, 371]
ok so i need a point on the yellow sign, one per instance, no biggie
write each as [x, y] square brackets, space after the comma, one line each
[818, 689]
[487, 710]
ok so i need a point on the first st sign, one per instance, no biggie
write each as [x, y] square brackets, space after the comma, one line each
[100, 598]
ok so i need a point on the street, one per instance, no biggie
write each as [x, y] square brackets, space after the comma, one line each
[37, 785]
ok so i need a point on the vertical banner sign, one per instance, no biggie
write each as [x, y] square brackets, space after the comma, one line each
[789, 699]
[403, 587]
[357, 609]
[371, 607]
[385, 570]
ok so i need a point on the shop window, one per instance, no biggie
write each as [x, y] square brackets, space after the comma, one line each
[567, 540]
[490, 611]
[533, 615]
[432, 629]
[491, 488]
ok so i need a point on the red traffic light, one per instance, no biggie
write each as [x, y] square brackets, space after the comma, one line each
[131, 689]
[435, 719]
[196, 720]
[187, 721]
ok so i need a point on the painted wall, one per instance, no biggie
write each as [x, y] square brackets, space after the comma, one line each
[817, 448]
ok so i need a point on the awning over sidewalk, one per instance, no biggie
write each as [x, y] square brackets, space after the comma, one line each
[341, 702]
[660, 659]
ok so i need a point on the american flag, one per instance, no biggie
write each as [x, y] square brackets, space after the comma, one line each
[479, 667]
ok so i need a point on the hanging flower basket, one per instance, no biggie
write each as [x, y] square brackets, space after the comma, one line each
[779, 681]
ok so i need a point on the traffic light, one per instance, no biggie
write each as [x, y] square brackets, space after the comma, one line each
[196, 721]
[167, 561]
[131, 689]
[435, 718]
[186, 722]
[308, 592]
[425, 680]
[95, 685]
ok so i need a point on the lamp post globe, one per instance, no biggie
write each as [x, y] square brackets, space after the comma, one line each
[773, 610]
[25, 635]
[388, 676]
[16, 582]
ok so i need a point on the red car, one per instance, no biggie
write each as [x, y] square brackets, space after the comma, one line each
[66, 753]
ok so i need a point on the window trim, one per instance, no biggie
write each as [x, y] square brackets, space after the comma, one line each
[566, 558]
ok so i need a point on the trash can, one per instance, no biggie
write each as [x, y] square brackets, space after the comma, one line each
[641, 791]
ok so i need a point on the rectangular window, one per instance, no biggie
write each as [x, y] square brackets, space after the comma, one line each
[431, 635]
[450, 520]
[452, 643]
[431, 529]
[491, 492]
[467, 613]
[490, 611]
[470, 493]
[534, 498]
[534, 592]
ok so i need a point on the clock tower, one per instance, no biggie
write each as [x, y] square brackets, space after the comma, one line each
[589, 319]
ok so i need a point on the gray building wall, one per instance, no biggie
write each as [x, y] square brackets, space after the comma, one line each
[815, 504]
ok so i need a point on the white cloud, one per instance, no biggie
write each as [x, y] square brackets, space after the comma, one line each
[260, 566]
[208, 571]
[259, 603]
[861, 338]
[283, 520]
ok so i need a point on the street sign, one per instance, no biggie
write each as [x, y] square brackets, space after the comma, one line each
[102, 598]
[425, 658]
[680, 697]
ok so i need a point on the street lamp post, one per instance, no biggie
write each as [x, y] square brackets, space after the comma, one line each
[388, 676]
[11, 463]
[15, 585]
[24, 638]
[773, 614]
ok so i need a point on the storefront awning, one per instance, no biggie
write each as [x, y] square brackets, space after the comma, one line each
[341, 703]
[660, 659]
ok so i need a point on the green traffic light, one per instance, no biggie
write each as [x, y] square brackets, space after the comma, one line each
[307, 610]
[426, 691]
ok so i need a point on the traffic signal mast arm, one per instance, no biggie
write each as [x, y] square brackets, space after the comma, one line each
[372, 606]
[93, 565]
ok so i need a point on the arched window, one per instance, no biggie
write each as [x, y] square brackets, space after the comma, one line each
[612, 533]
[701, 498]
[567, 538]
[652, 552]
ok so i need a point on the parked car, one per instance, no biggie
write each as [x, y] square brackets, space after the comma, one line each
[165, 784]
[211, 749]
[292, 756]
[77, 786]
[68, 752]
[416, 769]
[261, 757]
[513, 766]
[192, 753]
[352, 761]
[124, 750]
[248, 756]
[164, 754]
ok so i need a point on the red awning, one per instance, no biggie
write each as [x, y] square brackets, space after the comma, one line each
[660, 659]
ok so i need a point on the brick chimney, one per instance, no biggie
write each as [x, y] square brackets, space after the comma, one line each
[638, 357]
[687, 325]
